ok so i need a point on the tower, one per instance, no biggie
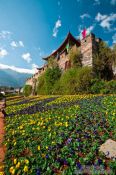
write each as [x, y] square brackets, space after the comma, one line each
[89, 46]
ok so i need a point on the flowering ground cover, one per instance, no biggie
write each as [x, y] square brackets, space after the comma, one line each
[24, 104]
[62, 138]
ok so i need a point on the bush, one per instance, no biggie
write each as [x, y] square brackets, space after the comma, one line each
[104, 87]
[27, 90]
[68, 82]
[41, 88]
[84, 78]
[75, 80]
[47, 81]
[1, 96]
[75, 57]
[110, 87]
[102, 62]
[97, 85]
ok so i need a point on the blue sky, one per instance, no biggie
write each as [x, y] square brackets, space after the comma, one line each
[32, 29]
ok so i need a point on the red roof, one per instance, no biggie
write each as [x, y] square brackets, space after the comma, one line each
[63, 45]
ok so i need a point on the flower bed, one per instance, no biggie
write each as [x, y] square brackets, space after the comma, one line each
[63, 140]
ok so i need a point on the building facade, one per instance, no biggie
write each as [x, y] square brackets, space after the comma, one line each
[88, 46]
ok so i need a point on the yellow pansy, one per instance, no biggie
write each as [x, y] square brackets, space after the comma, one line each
[18, 165]
[15, 143]
[15, 161]
[27, 161]
[46, 147]
[25, 169]
[12, 170]
[43, 155]
[38, 148]
[66, 124]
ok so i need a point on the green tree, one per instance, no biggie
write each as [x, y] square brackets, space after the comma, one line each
[41, 88]
[102, 62]
[27, 90]
[76, 80]
[46, 82]
[52, 62]
[84, 78]
[75, 57]
[51, 76]
[68, 81]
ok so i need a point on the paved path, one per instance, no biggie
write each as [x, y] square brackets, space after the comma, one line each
[2, 132]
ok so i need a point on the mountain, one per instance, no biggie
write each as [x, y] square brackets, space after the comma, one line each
[12, 78]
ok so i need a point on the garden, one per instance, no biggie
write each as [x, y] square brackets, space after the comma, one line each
[59, 135]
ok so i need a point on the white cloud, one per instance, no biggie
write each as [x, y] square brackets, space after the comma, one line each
[21, 43]
[5, 34]
[27, 57]
[114, 38]
[17, 69]
[89, 29]
[113, 2]
[15, 44]
[57, 25]
[85, 15]
[105, 20]
[100, 17]
[96, 2]
[34, 66]
[3, 52]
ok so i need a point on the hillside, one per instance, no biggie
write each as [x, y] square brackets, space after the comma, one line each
[12, 78]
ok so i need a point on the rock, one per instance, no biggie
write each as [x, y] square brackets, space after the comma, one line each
[109, 149]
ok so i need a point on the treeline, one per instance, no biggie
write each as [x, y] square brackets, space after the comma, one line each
[96, 79]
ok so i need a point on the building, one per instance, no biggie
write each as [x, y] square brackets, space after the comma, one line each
[88, 46]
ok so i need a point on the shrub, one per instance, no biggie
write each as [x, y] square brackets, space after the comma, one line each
[75, 80]
[84, 78]
[75, 57]
[104, 87]
[27, 90]
[110, 87]
[51, 76]
[47, 80]
[1, 96]
[68, 81]
[97, 85]
[102, 62]
[41, 88]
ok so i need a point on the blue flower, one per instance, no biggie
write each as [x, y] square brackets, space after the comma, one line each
[79, 165]
[99, 161]
[38, 172]
[47, 156]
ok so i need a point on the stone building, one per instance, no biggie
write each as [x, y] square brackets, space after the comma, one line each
[88, 46]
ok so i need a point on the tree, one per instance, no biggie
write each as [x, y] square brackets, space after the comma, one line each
[41, 87]
[52, 62]
[75, 81]
[102, 62]
[75, 57]
[51, 76]
[27, 90]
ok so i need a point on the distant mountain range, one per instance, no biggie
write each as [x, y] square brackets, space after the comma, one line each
[12, 78]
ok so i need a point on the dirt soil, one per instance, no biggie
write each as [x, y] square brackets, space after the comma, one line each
[2, 147]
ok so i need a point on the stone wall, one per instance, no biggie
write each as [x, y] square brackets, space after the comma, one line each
[86, 51]
[29, 81]
[62, 61]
